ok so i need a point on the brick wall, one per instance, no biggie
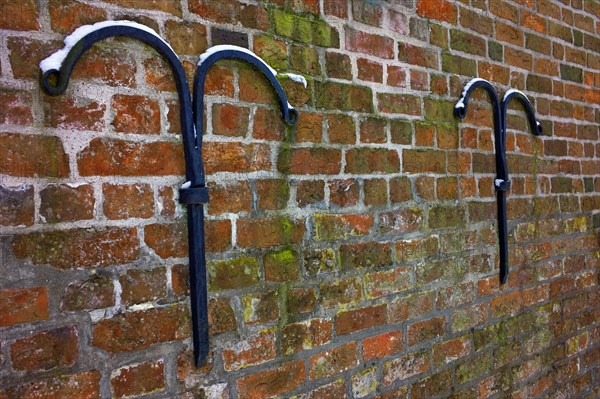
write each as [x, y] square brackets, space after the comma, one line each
[354, 255]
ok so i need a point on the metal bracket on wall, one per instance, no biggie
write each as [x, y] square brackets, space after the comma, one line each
[502, 183]
[56, 72]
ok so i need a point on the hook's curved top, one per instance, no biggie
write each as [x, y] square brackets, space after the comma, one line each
[62, 62]
[460, 109]
[534, 125]
[217, 53]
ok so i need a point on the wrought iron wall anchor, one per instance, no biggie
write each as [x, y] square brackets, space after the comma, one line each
[56, 72]
[502, 183]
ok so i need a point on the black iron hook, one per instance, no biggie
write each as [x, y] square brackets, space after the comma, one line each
[502, 182]
[194, 192]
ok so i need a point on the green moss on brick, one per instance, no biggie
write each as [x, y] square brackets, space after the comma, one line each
[304, 30]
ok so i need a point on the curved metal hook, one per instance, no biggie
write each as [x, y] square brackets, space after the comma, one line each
[460, 109]
[86, 36]
[534, 125]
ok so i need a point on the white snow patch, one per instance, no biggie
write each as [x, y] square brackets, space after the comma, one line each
[225, 47]
[187, 184]
[498, 182]
[510, 92]
[296, 78]
[55, 60]
[461, 103]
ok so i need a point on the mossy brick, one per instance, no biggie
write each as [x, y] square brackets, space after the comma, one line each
[274, 52]
[343, 97]
[392, 103]
[305, 59]
[260, 307]
[281, 265]
[304, 30]
[475, 367]
[332, 227]
[458, 65]
[441, 216]
[568, 72]
[319, 261]
[340, 292]
[467, 43]
[309, 334]
[405, 367]
[241, 272]
[301, 300]
[401, 131]
[366, 160]
[495, 51]
[439, 110]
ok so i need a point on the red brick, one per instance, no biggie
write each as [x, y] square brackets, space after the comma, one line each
[370, 254]
[167, 240]
[95, 292]
[268, 125]
[426, 330]
[420, 161]
[229, 120]
[257, 349]
[135, 114]
[309, 128]
[16, 206]
[20, 16]
[306, 335]
[387, 282]
[313, 160]
[331, 227]
[441, 10]
[400, 190]
[219, 81]
[360, 319]
[341, 129]
[369, 70]
[234, 197]
[260, 307]
[412, 306]
[79, 248]
[23, 305]
[272, 382]
[65, 203]
[143, 285]
[382, 345]
[343, 193]
[336, 8]
[66, 16]
[112, 157]
[334, 361]
[506, 304]
[401, 221]
[309, 192]
[137, 330]
[404, 367]
[128, 201]
[32, 155]
[138, 379]
[66, 112]
[158, 73]
[16, 108]
[83, 385]
[367, 43]
[221, 318]
[93, 66]
[338, 65]
[268, 232]
[254, 87]
[45, 350]
[236, 157]
[301, 300]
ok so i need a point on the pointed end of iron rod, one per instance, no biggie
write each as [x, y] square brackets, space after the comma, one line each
[503, 276]
[200, 358]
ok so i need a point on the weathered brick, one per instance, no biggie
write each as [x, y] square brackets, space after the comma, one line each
[331, 227]
[272, 194]
[260, 307]
[365, 160]
[281, 265]
[79, 248]
[423, 161]
[135, 114]
[221, 317]
[269, 232]
[406, 104]
[401, 221]
[16, 206]
[301, 300]
[338, 65]
[305, 59]
[23, 305]
[141, 329]
[274, 52]
[20, 16]
[186, 37]
[341, 129]
[167, 240]
[143, 285]
[235, 157]
[449, 351]
[234, 197]
[426, 330]
[415, 55]
[66, 203]
[309, 192]
[138, 379]
[45, 350]
[446, 216]
[85, 385]
[95, 292]
[32, 155]
[414, 305]
[405, 367]
[17, 107]
[257, 349]
[334, 361]
[340, 292]
[127, 201]
[159, 5]
[309, 334]
[272, 382]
